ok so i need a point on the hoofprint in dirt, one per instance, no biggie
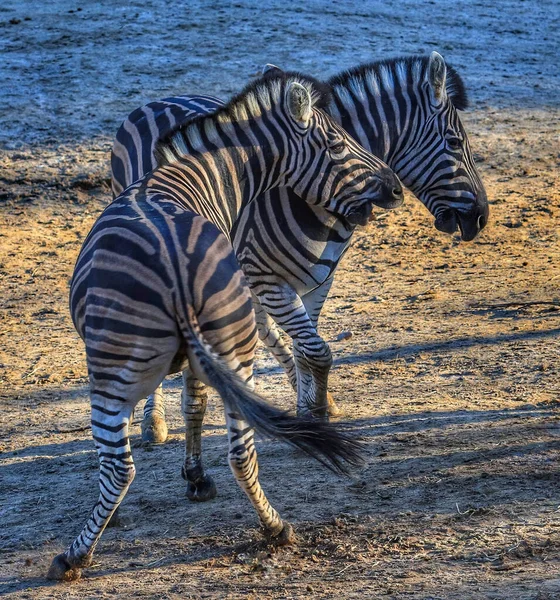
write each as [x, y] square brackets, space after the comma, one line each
[451, 374]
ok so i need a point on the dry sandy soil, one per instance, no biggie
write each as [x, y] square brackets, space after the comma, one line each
[451, 374]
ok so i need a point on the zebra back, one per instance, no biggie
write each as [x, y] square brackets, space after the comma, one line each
[133, 152]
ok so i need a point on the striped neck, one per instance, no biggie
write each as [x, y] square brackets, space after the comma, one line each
[245, 147]
[379, 103]
[219, 168]
[366, 104]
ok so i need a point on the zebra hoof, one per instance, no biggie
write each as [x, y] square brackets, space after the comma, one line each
[62, 570]
[332, 408]
[286, 537]
[154, 430]
[315, 414]
[201, 490]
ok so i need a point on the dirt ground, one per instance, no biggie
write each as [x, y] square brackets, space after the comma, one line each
[452, 372]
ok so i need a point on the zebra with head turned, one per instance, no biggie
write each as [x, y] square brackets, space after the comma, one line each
[405, 111]
[157, 284]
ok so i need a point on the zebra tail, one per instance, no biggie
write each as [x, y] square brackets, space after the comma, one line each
[334, 448]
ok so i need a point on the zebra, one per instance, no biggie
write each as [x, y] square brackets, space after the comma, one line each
[133, 152]
[404, 110]
[157, 284]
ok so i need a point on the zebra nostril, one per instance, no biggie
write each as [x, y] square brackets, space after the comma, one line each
[481, 223]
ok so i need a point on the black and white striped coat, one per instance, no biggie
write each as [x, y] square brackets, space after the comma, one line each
[157, 283]
[406, 112]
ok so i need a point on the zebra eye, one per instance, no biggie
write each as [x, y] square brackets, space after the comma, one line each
[338, 148]
[454, 143]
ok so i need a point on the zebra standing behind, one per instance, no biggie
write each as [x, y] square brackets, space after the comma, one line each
[157, 283]
[405, 111]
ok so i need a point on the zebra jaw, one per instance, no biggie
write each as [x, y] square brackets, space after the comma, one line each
[360, 215]
[363, 214]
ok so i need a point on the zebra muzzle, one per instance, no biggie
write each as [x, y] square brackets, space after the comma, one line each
[390, 193]
[469, 224]
[360, 215]
[446, 222]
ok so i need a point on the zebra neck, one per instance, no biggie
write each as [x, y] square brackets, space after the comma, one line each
[215, 184]
[235, 162]
[376, 120]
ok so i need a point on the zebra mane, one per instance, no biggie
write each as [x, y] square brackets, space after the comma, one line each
[403, 71]
[257, 98]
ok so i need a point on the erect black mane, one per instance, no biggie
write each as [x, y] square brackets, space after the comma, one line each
[320, 93]
[455, 87]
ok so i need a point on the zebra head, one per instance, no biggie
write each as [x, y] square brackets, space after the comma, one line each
[434, 159]
[329, 168]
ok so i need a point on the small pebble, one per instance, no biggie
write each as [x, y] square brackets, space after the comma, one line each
[344, 335]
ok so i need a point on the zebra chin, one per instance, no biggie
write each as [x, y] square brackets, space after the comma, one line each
[360, 215]
[388, 196]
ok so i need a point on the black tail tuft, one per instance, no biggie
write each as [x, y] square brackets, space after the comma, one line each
[333, 447]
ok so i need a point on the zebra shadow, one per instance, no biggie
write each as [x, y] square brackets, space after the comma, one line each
[426, 463]
[387, 354]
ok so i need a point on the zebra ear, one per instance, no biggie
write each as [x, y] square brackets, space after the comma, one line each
[270, 69]
[300, 105]
[437, 74]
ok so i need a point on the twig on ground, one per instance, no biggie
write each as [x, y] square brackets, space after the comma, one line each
[74, 429]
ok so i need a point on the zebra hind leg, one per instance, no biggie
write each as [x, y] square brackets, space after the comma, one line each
[194, 398]
[154, 426]
[109, 424]
[243, 463]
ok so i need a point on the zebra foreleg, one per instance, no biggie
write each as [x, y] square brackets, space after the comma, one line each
[109, 425]
[154, 427]
[194, 398]
[288, 310]
[272, 338]
[306, 383]
[313, 362]
[245, 468]
[312, 353]
[313, 302]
